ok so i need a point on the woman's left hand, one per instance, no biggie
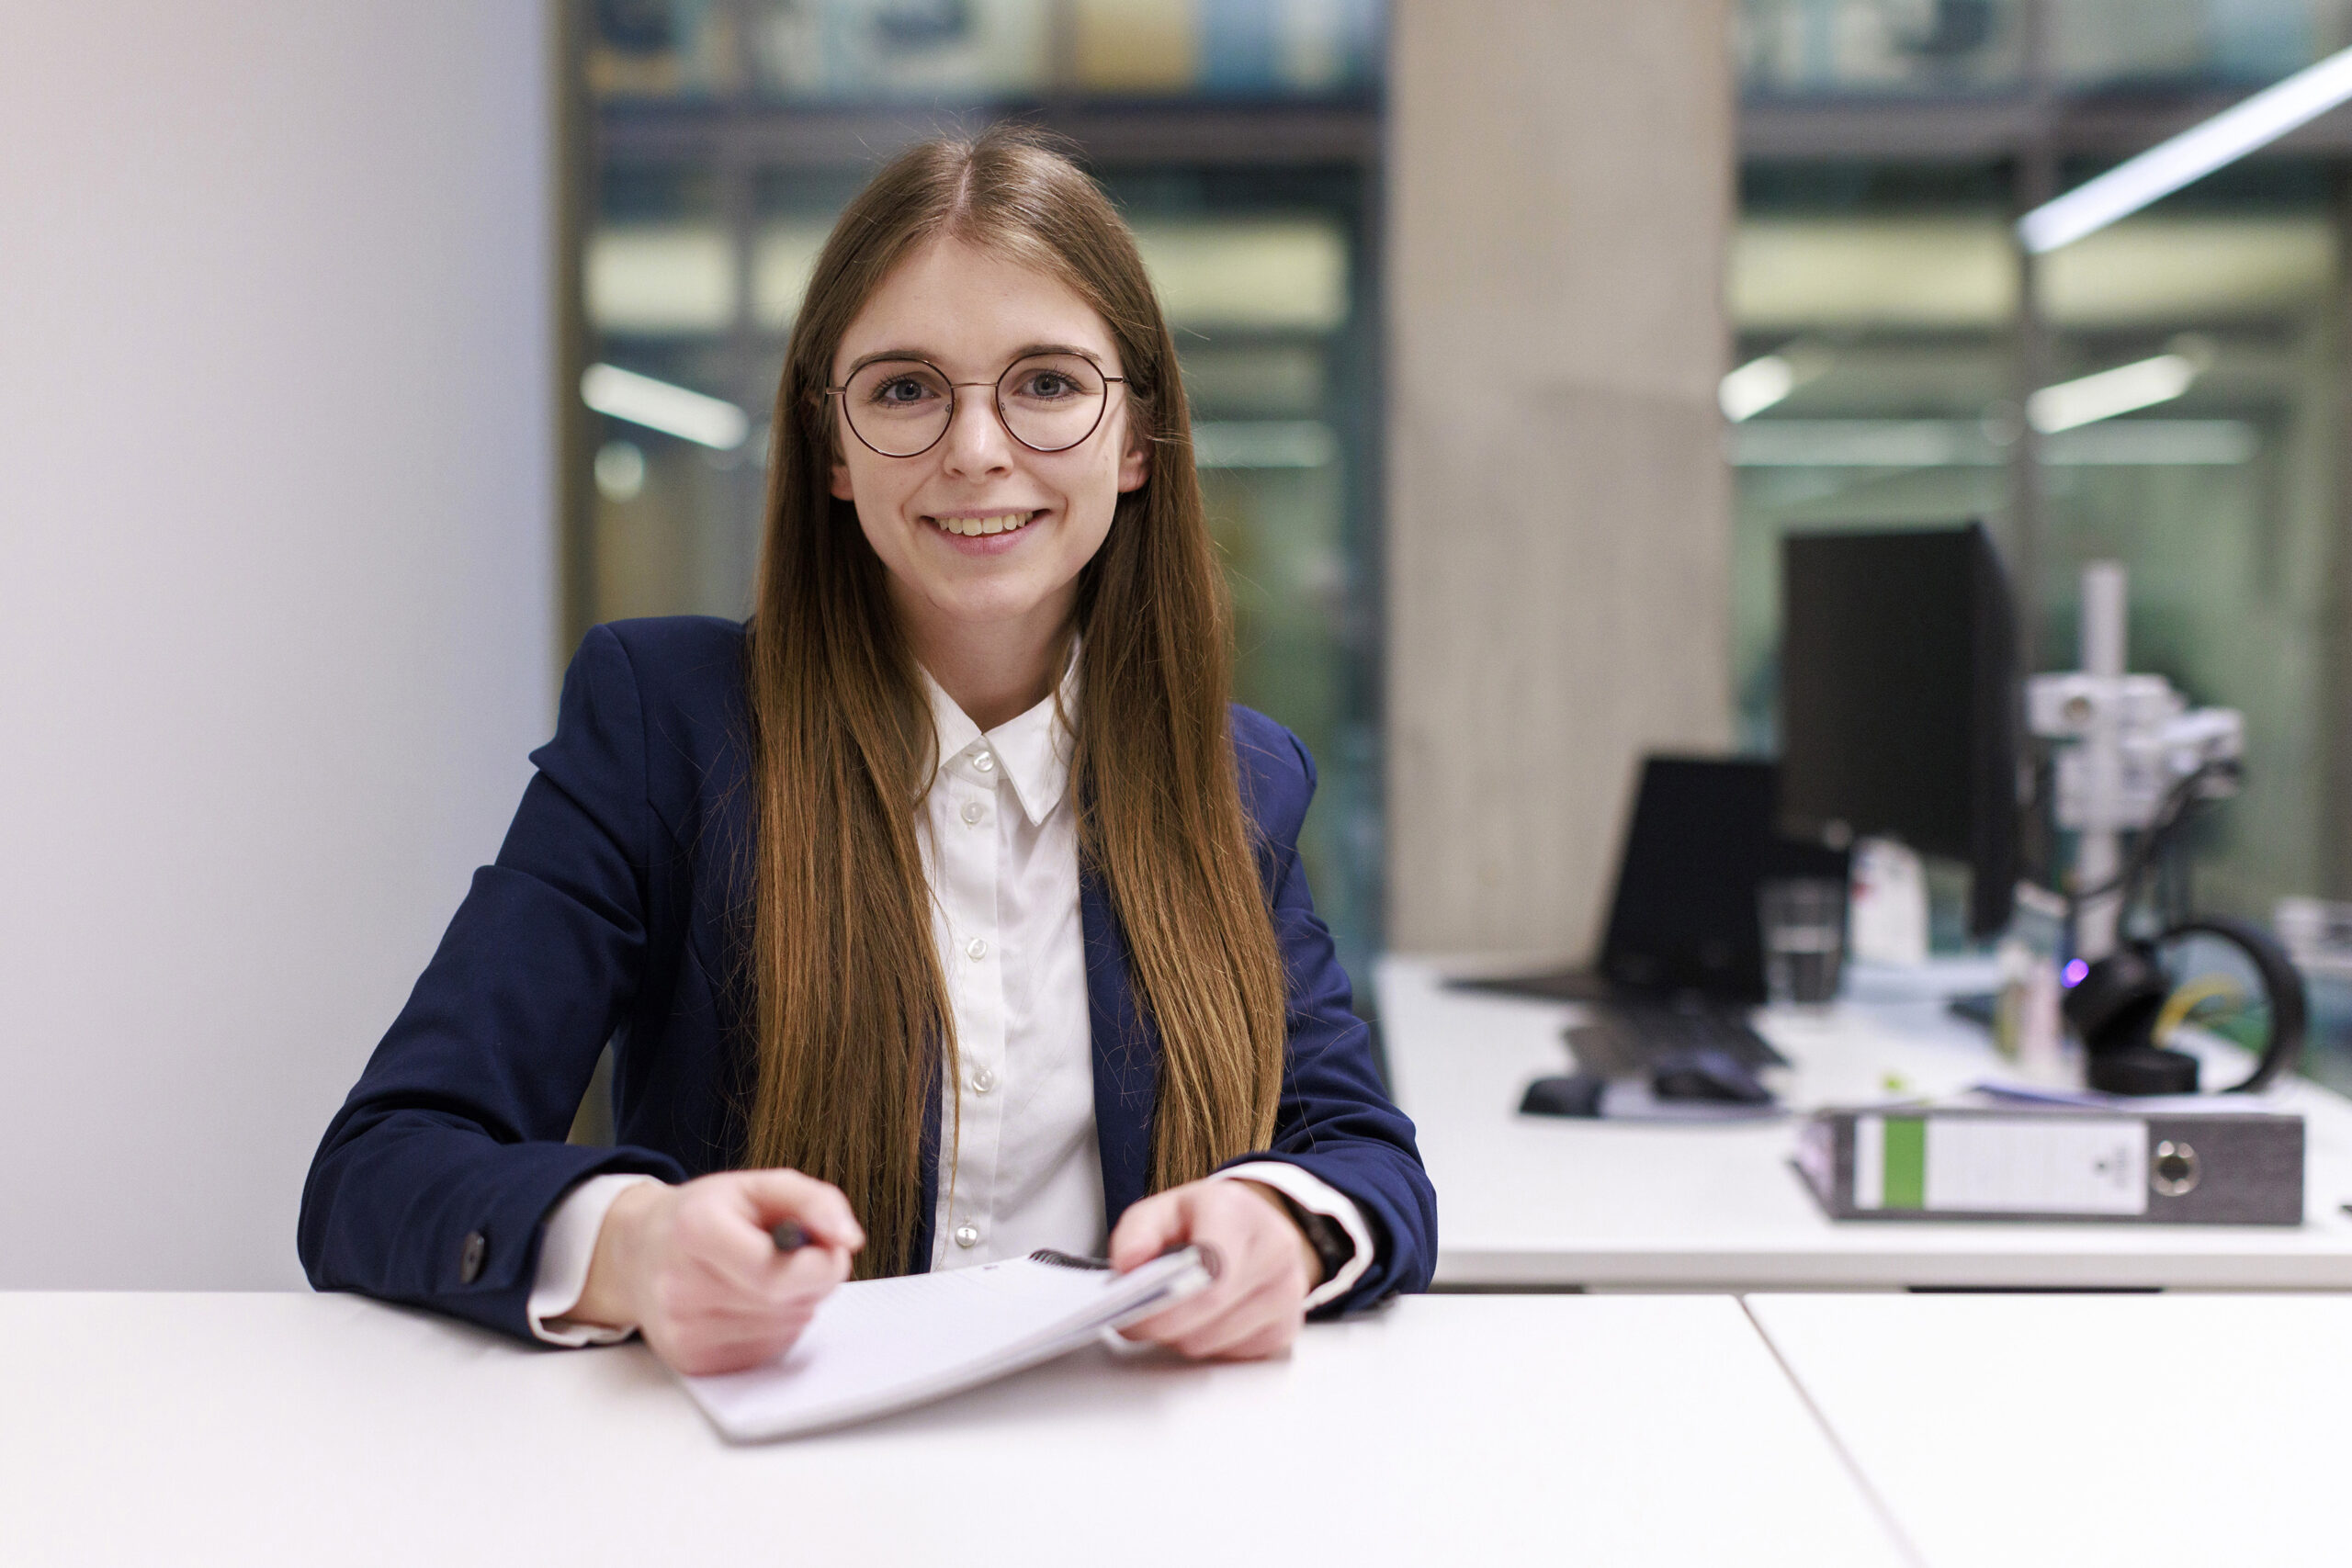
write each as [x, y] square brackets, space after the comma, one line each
[1264, 1269]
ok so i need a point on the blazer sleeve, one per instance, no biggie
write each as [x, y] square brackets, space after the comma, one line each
[433, 1180]
[1335, 1120]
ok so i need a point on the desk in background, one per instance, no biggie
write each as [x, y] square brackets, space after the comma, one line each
[264, 1429]
[1535, 1202]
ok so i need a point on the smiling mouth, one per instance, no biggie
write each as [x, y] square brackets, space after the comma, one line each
[974, 527]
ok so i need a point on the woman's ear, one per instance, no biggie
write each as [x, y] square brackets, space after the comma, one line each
[1134, 462]
[842, 488]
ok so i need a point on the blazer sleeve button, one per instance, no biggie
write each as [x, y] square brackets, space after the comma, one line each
[471, 1256]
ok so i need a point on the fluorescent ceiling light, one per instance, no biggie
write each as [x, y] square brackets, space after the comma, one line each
[1755, 387]
[658, 405]
[2139, 385]
[2194, 154]
[1761, 383]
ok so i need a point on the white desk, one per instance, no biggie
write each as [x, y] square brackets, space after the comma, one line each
[262, 1429]
[1529, 1201]
[2089, 1430]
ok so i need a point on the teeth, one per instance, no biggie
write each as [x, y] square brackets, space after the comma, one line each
[973, 527]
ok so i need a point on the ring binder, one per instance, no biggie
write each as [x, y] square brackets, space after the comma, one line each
[2180, 1168]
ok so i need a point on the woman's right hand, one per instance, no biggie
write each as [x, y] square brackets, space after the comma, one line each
[695, 1269]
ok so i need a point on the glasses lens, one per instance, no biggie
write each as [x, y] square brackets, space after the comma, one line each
[1051, 400]
[897, 407]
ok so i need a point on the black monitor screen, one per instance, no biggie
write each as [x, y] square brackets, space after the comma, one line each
[1684, 915]
[1898, 698]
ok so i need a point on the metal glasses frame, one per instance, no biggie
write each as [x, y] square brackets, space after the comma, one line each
[997, 386]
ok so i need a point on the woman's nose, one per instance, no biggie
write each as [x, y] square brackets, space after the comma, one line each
[977, 442]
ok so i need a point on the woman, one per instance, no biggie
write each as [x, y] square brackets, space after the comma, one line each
[943, 908]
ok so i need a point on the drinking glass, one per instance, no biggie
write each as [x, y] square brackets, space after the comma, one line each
[1803, 925]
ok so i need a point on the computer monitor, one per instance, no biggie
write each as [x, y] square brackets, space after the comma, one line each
[1682, 918]
[1899, 699]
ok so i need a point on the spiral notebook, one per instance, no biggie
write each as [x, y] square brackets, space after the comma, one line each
[880, 1346]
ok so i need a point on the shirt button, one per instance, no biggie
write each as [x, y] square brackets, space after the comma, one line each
[968, 1235]
[983, 1081]
[973, 811]
[977, 948]
[984, 761]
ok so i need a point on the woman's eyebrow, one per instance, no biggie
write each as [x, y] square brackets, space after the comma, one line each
[1027, 351]
[1037, 348]
[866, 359]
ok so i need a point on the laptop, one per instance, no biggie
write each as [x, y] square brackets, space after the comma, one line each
[1682, 958]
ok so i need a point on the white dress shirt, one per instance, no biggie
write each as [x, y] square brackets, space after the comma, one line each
[1000, 851]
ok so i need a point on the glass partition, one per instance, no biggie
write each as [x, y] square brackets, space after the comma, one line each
[1894, 347]
[2221, 500]
[1896, 324]
[1888, 293]
[1880, 46]
[1864, 48]
[859, 53]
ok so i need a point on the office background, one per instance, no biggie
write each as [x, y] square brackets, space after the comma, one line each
[303, 511]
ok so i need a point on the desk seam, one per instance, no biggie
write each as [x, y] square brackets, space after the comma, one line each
[1887, 1521]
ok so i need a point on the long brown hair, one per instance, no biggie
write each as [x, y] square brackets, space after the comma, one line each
[854, 1036]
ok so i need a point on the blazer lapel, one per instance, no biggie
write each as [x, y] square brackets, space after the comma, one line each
[1127, 1054]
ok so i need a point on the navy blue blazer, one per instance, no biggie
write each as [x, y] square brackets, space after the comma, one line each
[608, 915]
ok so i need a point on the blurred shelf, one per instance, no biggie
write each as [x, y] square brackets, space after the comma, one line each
[1977, 130]
[1196, 133]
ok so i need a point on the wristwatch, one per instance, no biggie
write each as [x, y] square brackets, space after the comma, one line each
[1332, 1245]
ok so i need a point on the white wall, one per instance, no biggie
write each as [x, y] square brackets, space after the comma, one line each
[277, 583]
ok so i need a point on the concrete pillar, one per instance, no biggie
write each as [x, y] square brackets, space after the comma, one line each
[1561, 192]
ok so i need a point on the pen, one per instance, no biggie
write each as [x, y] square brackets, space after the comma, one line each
[788, 1236]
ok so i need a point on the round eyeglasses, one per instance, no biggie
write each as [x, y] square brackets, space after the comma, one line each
[1048, 402]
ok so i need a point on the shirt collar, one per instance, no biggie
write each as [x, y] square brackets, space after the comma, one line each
[1033, 751]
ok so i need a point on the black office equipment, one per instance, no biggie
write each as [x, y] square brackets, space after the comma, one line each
[1628, 1039]
[1899, 699]
[1577, 1094]
[1681, 946]
[2115, 1006]
[1707, 1074]
[1718, 1094]
[1683, 917]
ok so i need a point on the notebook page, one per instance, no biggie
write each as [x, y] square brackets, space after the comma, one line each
[882, 1345]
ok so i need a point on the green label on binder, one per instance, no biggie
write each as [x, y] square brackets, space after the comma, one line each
[1907, 1163]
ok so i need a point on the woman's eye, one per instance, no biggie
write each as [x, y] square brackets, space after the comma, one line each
[1048, 384]
[900, 389]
